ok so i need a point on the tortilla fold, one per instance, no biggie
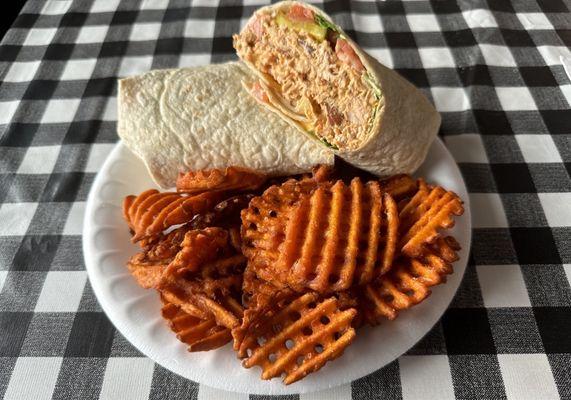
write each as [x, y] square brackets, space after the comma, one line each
[402, 127]
[178, 120]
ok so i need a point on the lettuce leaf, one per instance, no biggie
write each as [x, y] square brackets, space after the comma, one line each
[319, 20]
[331, 146]
[370, 81]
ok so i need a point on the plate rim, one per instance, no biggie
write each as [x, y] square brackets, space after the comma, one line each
[291, 389]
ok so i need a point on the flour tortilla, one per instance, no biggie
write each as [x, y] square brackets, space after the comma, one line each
[404, 126]
[185, 119]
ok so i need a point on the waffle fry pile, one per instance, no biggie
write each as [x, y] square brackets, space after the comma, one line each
[289, 270]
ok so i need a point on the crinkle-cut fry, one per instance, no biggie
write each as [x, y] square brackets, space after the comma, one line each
[339, 236]
[229, 179]
[399, 186]
[200, 246]
[300, 338]
[262, 225]
[198, 334]
[432, 210]
[152, 212]
[410, 280]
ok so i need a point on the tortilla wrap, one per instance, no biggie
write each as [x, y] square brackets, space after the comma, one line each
[402, 127]
[185, 119]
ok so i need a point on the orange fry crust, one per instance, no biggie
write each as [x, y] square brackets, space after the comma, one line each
[429, 211]
[289, 275]
[198, 334]
[231, 178]
[336, 236]
[153, 212]
[409, 281]
[298, 339]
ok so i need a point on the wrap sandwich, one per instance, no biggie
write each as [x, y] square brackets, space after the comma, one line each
[199, 118]
[320, 81]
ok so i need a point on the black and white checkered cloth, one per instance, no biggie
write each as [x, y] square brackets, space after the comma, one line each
[495, 70]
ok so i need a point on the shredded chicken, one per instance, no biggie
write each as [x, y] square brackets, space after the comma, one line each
[324, 94]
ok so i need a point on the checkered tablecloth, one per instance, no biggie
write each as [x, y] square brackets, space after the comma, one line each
[497, 72]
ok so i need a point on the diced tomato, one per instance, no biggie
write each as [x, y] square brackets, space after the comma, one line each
[257, 27]
[259, 93]
[300, 13]
[347, 55]
[334, 116]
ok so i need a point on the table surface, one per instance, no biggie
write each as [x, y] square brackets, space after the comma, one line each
[496, 72]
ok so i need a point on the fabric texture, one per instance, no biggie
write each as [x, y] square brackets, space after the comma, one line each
[496, 70]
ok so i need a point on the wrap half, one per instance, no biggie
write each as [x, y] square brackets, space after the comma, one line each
[185, 119]
[320, 81]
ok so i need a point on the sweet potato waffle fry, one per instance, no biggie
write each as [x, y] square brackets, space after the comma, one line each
[224, 309]
[298, 339]
[339, 235]
[332, 236]
[230, 179]
[148, 266]
[152, 212]
[146, 272]
[198, 247]
[399, 186]
[263, 222]
[215, 286]
[198, 334]
[430, 210]
[410, 280]
[258, 297]
[289, 274]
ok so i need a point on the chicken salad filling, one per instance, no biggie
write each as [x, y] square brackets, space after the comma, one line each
[312, 74]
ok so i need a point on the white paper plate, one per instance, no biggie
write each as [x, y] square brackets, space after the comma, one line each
[135, 312]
